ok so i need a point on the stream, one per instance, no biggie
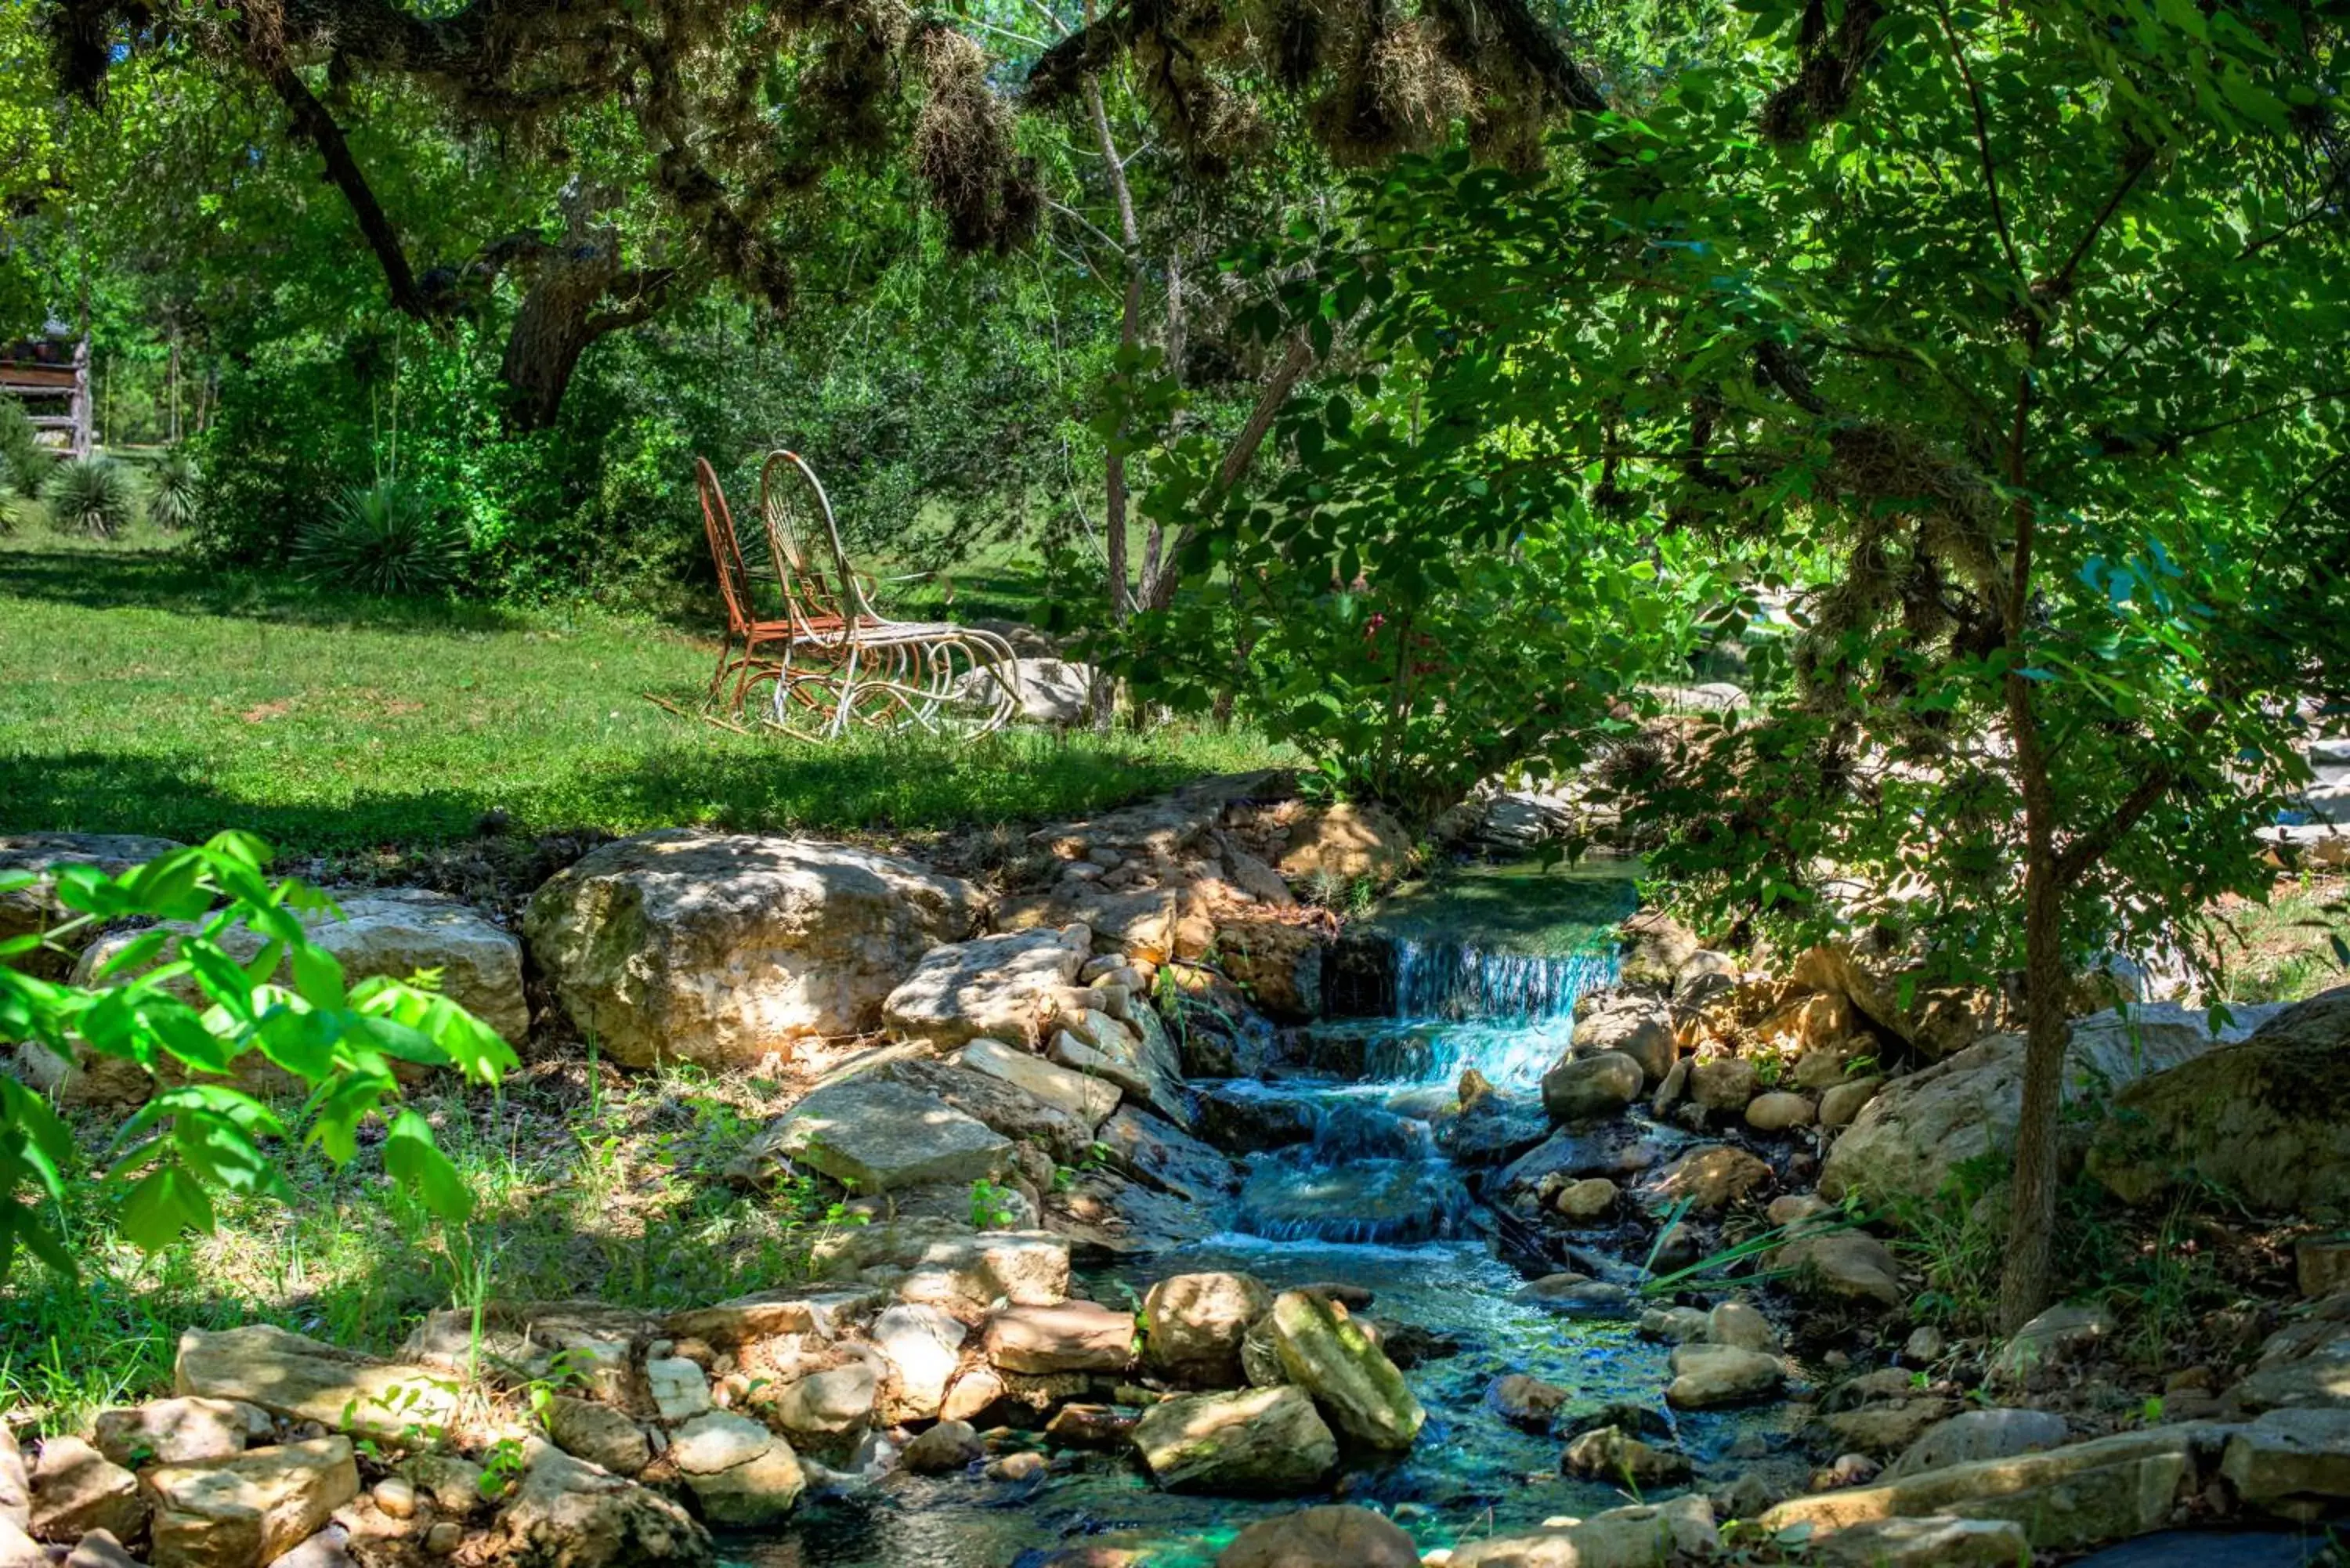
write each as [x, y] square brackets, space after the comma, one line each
[1487, 967]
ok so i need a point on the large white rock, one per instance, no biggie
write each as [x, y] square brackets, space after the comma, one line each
[304, 1379]
[395, 933]
[251, 1510]
[876, 1134]
[1088, 1099]
[1918, 1130]
[1051, 691]
[722, 948]
[924, 1346]
[1006, 986]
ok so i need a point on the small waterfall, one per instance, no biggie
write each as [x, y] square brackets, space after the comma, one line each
[1449, 981]
[1372, 1172]
[1507, 1016]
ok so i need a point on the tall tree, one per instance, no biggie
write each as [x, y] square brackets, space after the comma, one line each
[2016, 335]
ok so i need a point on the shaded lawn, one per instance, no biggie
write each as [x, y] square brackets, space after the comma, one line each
[142, 693]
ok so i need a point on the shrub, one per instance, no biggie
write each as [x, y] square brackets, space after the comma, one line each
[91, 495]
[24, 462]
[383, 538]
[171, 490]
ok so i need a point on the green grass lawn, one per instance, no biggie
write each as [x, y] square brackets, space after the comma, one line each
[141, 692]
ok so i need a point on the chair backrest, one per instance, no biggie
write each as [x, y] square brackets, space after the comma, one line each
[725, 548]
[792, 498]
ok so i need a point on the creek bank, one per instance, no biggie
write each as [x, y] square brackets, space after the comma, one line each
[1098, 1108]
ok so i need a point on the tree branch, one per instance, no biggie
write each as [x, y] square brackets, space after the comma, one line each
[317, 126]
[1983, 146]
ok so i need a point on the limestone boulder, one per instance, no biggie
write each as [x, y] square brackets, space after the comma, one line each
[1074, 1336]
[1723, 1084]
[1919, 1128]
[1934, 1019]
[948, 1447]
[923, 1345]
[597, 1433]
[566, 1514]
[2061, 1336]
[1841, 1265]
[1615, 1457]
[1973, 1435]
[303, 1379]
[394, 932]
[77, 1490]
[1641, 1536]
[1006, 987]
[1709, 1377]
[2064, 1499]
[1588, 1088]
[1325, 1351]
[1194, 1326]
[1161, 1154]
[2268, 1120]
[879, 1136]
[1140, 1060]
[1639, 1026]
[1326, 1537]
[1254, 1441]
[1779, 1111]
[1088, 1100]
[514, 1343]
[2293, 1462]
[827, 1405]
[741, 1473]
[1344, 843]
[720, 948]
[1277, 962]
[1710, 1178]
[16, 1482]
[1841, 1104]
[175, 1431]
[30, 911]
[995, 1103]
[19, 1550]
[1050, 692]
[251, 1509]
[1937, 1541]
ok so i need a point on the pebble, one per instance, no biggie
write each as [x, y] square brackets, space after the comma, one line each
[396, 1497]
[1779, 1111]
[445, 1538]
[1925, 1343]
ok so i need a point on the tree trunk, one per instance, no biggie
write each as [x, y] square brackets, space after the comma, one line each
[1122, 593]
[552, 329]
[2024, 1284]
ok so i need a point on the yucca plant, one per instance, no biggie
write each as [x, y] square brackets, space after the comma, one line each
[24, 462]
[171, 490]
[91, 495]
[383, 538]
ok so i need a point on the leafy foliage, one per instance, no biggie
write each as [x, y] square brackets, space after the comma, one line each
[383, 538]
[199, 1135]
[91, 495]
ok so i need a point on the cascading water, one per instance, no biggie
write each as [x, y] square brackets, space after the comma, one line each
[1358, 1190]
[1372, 1171]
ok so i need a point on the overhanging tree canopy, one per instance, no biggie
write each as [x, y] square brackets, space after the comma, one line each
[685, 139]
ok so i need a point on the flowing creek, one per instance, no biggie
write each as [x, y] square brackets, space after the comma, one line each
[1486, 974]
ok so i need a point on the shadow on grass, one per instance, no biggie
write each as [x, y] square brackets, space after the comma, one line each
[167, 580]
[704, 778]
